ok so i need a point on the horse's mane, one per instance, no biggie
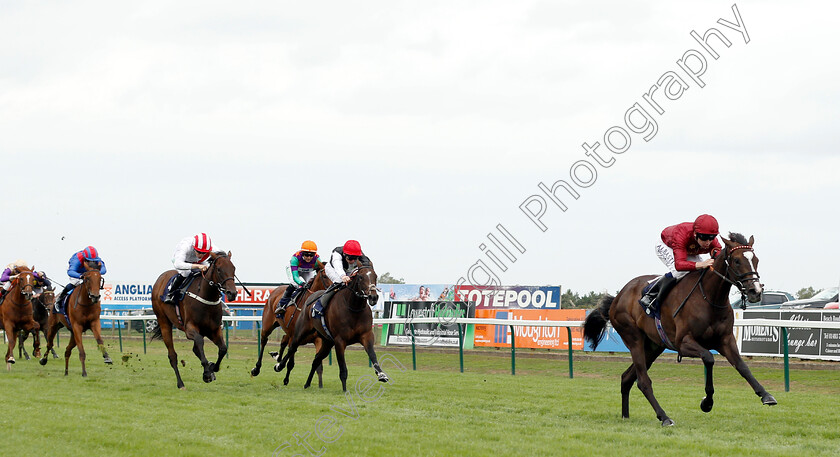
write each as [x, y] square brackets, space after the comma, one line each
[738, 238]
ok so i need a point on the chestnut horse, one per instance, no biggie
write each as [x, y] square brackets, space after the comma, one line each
[270, 321]
[16, 311]
[199, 314]
[83, 309]
[696, 318]
[349, 320]
[41, 306]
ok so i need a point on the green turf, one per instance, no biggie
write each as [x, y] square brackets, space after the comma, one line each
[134, 408]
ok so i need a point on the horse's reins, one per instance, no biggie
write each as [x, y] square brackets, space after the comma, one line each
[84, 283]
[738, 283]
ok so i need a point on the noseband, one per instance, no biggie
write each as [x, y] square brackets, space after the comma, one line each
[362, 294]
[220, 284]
[741, 279]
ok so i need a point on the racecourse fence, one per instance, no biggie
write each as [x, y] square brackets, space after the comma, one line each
[461, 323]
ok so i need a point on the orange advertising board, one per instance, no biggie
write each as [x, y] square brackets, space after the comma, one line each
[529, 336]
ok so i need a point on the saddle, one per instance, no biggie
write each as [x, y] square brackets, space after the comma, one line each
[185, 284]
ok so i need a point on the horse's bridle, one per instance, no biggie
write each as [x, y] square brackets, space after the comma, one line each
[85, 279]
[220, 285]
[741, 279]
[29, 285]
[362, 294]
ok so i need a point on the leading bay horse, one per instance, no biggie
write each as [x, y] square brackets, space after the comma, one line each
[349, 320]
[83, 308]
[16, 311]
[199, 314]
[41, 306]
[696, 318]
[270, 321]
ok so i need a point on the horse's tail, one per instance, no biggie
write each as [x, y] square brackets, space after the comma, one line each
[157, 334]
[595, 324]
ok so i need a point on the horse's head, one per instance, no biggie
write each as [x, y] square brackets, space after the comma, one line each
[48, 297]
[221, 274]
[26, 282]
[742, 265]
[364, 283]
[92, 281]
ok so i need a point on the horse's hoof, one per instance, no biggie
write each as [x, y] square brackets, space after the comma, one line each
[108, 361]
[212, 376]
[383, 377]
[183, 388]
[43, 361]
[668, 422]
[10, 360]
[706, 404]
[55, 356]
[275, 356]
[277, 368]
[768, 400]
[306, 386]
[255, 372]
[26, 356]
[206, 378]
[285, 382]
[84, 374]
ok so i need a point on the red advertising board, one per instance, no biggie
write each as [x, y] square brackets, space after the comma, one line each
[529, 337]
[259, 294]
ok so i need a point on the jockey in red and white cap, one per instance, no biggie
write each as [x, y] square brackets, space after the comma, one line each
[680, 251]
[191, 255]
[343, 260]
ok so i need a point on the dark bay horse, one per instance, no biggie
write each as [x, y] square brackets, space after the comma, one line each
[349, 321]
[16, 311]
[41, 306]
[83, 309]
[199, 314]
[270, 321]
[696, 318]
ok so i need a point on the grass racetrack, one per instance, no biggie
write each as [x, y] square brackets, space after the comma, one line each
[134, 408]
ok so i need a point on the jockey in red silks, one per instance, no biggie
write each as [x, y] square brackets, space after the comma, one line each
[680, 251]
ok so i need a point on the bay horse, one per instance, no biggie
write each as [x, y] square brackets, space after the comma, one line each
[696, 318]
[41, 306]
[270, 321]
[16, 311]
[83, 310]
[199, 314]
[349, 320]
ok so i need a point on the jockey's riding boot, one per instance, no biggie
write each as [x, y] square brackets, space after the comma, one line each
[61, 296]
[3, 293]
[666, 284]
[173, 291]
[284, 300]
[649, 294]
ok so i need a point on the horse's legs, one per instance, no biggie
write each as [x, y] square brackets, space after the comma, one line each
[198, 350]
[264, 334]
[36, 343]
[22, 337]
[367, 342]
[166, 334]
[730, 350]
[219, 340]
[322, 353]
[628, 378]
[320, 370]
[49, 334]
[77, 341]
[96, 328]
[691, 348]
[638, 353]
[342, 365]
[11, 335]
[69, 350]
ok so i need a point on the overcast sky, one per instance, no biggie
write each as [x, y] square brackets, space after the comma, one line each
[415, 128]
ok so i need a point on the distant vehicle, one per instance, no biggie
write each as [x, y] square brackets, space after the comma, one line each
[770, 299]
[817, 301]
